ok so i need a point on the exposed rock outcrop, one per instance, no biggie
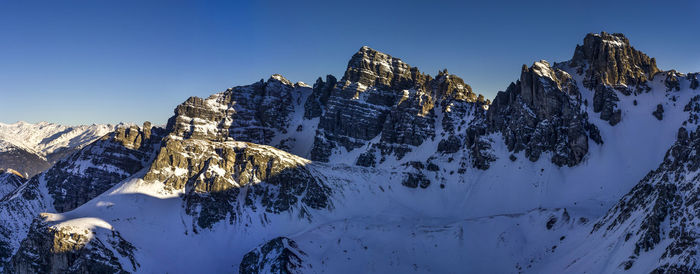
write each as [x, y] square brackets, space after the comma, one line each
[659, 112]
[279, 255]
[221, 178]
[50, 249]
[542, 112]
[266, 112]
[605, 102]
[609, 65]
[254, 113]
[316, 103]
[608, 59]
[672, 80]
[99, 166]
[380, 95]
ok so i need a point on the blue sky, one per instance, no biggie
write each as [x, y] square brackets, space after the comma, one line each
[83, 62]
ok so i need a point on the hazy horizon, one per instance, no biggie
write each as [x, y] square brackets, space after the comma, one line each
[82, 62]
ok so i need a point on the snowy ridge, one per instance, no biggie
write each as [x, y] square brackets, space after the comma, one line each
[33, 148]
[45, 138]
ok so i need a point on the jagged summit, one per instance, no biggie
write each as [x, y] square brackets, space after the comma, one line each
[609, 59]
[369, 67]
[533, 113]
[610, 65]
[280, 78]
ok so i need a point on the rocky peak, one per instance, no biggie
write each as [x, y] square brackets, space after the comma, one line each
[608, 59]
[448, 86]
[542, 112]
[279, 78]
[369, 67]
[131, 136]
[381, 95]
[253, 113]
[544, 89]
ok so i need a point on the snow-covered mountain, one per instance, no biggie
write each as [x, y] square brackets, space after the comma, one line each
[33, 148]
[583, 166]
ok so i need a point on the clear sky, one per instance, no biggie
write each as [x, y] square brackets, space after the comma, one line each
[83, 62]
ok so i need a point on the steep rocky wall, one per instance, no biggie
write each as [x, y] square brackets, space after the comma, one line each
[380, 95]
[99, 166]
[219, 179]
[254, 113]
[542, 112]
[611, 66]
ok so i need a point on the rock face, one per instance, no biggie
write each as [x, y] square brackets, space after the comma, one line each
[318, 100]
[542, 112]
[50, 249]
[259, 113]
[279, 255]
[609, 65]
[659, 112]
[381, 96]
[608, 59]
[661, 211]
[204, 156]
[605, 102]
[219, 179]
[98, 167]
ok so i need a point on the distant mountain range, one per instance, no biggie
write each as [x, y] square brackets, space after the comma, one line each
[33, 148]
[589, 165]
